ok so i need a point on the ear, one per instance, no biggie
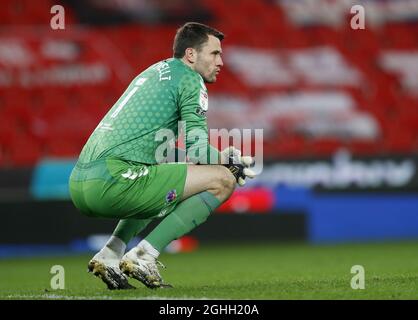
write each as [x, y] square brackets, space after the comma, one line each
[190, 55]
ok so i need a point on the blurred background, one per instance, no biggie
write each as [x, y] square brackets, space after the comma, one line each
[339, 109]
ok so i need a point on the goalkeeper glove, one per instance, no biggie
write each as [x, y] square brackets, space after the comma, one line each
[238, 165]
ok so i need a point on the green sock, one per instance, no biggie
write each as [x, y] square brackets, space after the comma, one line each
[188, 215]
[129, 228]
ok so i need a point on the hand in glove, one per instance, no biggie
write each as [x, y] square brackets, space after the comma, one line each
[237, 164]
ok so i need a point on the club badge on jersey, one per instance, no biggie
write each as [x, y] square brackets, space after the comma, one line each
[171, 196]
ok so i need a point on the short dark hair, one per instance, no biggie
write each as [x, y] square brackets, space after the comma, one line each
[193, 35]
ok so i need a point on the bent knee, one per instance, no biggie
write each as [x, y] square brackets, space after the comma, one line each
[228, 180]
[224, 184]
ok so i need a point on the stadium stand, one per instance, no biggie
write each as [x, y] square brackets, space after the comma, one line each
[314, 88]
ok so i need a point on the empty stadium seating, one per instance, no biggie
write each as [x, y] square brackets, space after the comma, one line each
[44, 114]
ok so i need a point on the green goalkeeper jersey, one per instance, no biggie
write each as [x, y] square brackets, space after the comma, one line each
[157, 99]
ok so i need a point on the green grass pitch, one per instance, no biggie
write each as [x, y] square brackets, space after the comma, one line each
[262, 271]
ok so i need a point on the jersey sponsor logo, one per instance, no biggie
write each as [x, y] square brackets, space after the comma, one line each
[200, 112]
[204, 100]
[132, 175]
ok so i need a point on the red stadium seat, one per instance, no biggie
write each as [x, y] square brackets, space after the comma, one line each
[364, 148]
[59, 148]
[325, 146]
[286, 146]
[25, 151]
[8, 130]
[58, 118]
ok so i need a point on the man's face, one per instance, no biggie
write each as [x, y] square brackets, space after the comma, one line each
[209, 61]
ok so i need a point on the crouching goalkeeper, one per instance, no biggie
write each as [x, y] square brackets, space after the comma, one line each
[118, 176]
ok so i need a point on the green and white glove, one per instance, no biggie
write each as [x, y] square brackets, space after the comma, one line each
[237, 164]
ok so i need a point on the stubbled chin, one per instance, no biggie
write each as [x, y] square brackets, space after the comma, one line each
[211, 80]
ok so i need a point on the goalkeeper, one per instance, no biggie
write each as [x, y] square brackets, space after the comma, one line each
[119, 176]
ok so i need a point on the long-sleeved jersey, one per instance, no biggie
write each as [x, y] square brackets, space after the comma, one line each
[154, 102]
